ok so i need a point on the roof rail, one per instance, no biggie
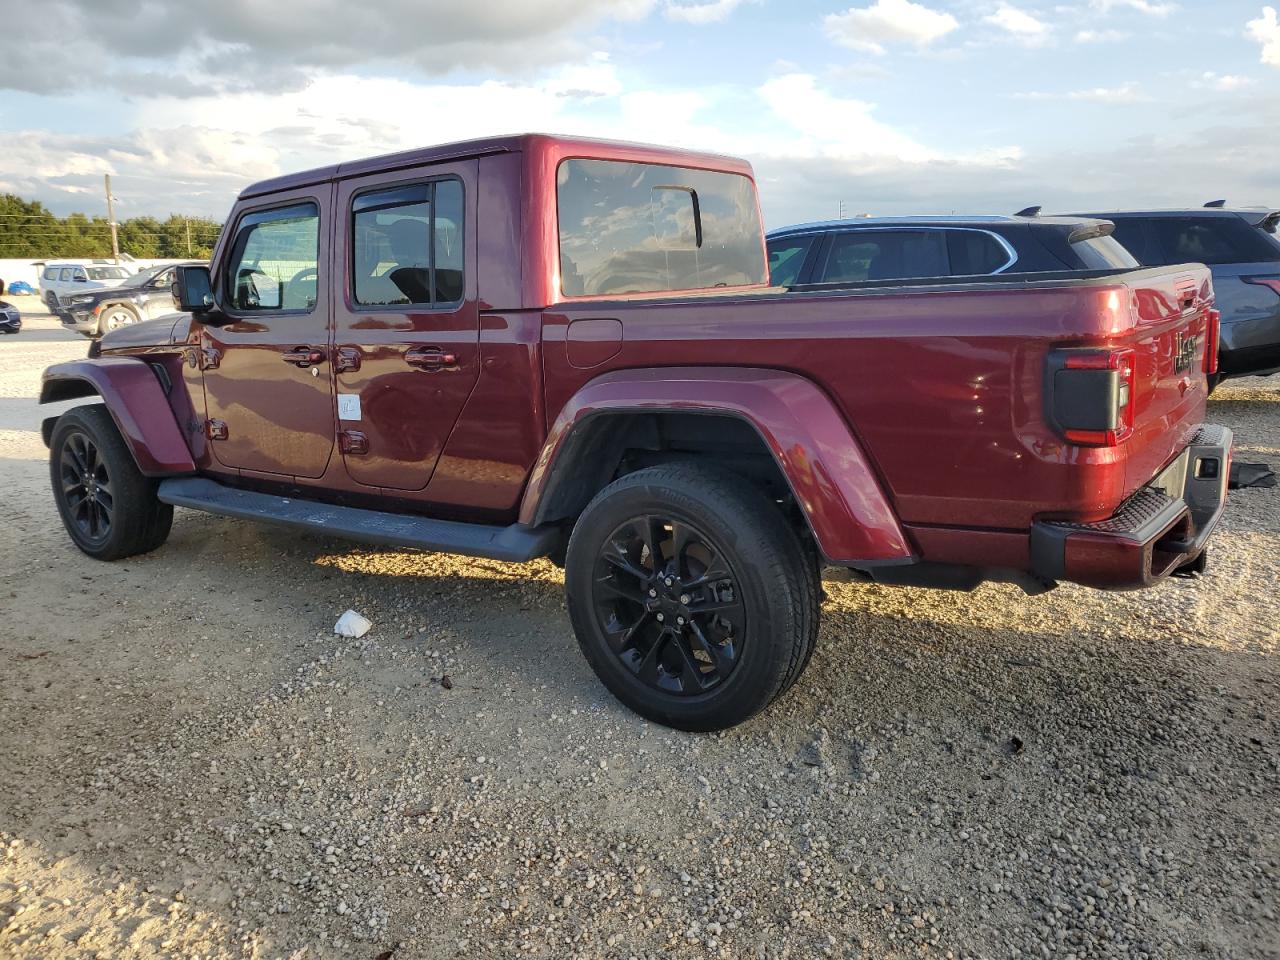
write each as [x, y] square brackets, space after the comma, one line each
[1216, 203]
[1029, 212]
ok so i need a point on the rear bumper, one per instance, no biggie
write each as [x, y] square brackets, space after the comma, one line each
[1161, 529]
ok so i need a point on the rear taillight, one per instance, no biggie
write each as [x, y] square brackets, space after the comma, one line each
[1212, 333]
[1091, 395]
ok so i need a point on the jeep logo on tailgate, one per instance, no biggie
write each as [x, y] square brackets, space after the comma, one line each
[1184, 352]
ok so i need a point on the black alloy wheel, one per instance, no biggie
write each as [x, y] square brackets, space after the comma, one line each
[670, 605]
[87, 487]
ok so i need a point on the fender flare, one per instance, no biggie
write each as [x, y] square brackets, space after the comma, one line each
[137, 403]
[847, 510]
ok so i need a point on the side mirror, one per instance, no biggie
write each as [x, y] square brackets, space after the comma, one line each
[80, 279]
[193, 289]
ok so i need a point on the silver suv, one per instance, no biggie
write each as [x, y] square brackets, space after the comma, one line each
[60, 278]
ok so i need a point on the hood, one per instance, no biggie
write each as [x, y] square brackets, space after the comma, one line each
[159, 332]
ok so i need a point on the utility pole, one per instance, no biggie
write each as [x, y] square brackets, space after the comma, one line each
[188, 237]
[840, 210]
[111, 218]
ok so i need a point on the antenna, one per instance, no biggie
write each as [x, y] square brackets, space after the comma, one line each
[1028, 212]
[1217, 204]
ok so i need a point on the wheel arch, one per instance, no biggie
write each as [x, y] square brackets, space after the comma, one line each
[136, 400]
[790, 421]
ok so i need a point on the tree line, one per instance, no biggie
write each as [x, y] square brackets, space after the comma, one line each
[29, 230]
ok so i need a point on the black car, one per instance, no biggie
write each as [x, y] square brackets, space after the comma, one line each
[1241, 248]
[870, 249]
[141, 297]
[10, 318]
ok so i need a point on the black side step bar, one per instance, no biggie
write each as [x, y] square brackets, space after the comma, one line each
[516, 543]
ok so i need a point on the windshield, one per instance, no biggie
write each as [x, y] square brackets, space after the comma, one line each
[107, 273]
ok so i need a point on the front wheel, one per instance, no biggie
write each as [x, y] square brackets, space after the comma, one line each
[109, 508]
[691, 595]
[114, 317]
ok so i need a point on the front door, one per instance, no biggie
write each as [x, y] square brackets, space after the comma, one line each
[157, 298]
[406, 324]
[267, 379]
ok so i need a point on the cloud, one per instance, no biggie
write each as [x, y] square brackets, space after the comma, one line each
[1223, 83]
[1151, 9]
[1101, 36]
[1020, 24]
[713, 11]
[237, 45]
[888, 21]
[1266, 31]
[1129, 92]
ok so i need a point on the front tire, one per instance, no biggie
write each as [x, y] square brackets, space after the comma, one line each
[109, 508]
[691, 595]
[116, 316]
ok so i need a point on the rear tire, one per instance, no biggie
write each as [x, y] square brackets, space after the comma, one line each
[109, 508]
[691, 595]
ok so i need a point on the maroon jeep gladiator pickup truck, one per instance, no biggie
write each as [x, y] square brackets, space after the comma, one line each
[538, 346]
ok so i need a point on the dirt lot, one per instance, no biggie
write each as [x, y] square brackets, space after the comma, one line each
[192, 765]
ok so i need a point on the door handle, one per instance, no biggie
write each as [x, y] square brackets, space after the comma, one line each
[303, 356]
[430, 358]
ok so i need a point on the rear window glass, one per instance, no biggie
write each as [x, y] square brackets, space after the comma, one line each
[1102, 253]
[645, 228]
[886, 255]
[786, 259]
[1212, 240]
[974, 253]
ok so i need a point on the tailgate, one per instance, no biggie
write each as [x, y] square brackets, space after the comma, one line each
[1170, 336]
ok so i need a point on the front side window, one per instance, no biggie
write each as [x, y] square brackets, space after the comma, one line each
[647, 228]
[65, 274]
[886, 255]
[786, 259]
[407, 245]
[274, 263]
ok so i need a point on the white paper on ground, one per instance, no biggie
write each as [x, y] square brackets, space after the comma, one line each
[351, 624]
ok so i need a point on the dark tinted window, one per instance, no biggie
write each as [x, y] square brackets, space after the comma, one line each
[1134, 236]
[886, 255]
[275, 260]
[974, 253]
[641, 228]
[407, 245]
[786, 259]
[1212, 240]
[1102, 253]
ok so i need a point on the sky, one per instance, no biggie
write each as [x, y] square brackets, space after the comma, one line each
[882, 107]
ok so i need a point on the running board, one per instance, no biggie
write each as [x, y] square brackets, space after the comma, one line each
[516, 543]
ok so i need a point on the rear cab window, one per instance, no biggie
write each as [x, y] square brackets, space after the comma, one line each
[627, 228]
[275, 259]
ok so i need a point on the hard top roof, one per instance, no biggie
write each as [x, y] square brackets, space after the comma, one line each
[466, 149]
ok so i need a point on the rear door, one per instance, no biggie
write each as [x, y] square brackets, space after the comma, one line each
[267, 378]
[407, 326]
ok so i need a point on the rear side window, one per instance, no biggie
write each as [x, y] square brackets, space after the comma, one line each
[645, 228]
[786, 259]
[51, 273]
[974, 253]
[1212, 240]
[407, 245]
[886, 255]
[1102, 253]
[275, 259]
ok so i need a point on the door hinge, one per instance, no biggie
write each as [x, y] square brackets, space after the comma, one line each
[216, 429]
[347, 360]
[353, 442]
[209, 357]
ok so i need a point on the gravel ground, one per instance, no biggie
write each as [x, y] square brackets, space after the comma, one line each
[192, 765]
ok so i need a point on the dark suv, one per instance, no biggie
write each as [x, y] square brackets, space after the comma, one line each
[1241, 248]
[914, 248]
